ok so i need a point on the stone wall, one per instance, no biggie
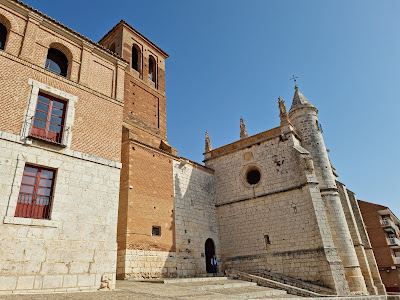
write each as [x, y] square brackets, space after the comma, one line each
[76, 247]
[195, 215]
[278, 224]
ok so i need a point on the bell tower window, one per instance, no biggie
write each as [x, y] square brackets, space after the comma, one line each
[152, 69]
[136, 55]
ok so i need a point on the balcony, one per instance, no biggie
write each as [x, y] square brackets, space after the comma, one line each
[46, 131]
[388, 225]
[396, 260]
[33, 206]
[394, 242]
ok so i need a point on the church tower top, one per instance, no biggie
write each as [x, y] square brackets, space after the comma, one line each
[299, 101]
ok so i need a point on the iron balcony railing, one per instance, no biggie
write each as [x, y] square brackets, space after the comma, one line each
[388, 222]
[47, 131]
[394, 241]
[33, 206]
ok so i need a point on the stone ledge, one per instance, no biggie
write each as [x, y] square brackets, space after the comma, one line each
[30, 222]
[68, 152]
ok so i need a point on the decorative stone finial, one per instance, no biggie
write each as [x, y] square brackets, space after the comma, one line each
[296, 87]
[208, 143]
[283, 115]
[243, 131]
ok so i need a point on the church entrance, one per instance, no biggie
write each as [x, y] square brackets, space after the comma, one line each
[209, 251]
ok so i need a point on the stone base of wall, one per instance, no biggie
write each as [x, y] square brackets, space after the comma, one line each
[157, 264]
[306, 265]
[51, 283]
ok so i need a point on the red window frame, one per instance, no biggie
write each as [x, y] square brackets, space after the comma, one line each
[49, 125]
[36, 193]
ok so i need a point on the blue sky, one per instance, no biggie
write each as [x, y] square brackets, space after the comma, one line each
[234, 58]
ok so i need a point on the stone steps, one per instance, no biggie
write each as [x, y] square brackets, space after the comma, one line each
[229, 287]
[251, 292]
[197, 279]
[214, 285]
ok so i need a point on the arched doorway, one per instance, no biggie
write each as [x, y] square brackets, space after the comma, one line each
[209, 251]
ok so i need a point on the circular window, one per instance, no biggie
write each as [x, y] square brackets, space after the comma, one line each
[253, 176]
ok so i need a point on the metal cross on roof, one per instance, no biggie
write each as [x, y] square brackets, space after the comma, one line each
[294, 79]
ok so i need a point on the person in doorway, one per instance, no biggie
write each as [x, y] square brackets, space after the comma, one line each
[214, 263]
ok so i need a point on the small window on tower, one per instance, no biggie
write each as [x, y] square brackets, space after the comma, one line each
[156, 231]
[136, 58]
[267, 241]
[152, 68]
[112, 47]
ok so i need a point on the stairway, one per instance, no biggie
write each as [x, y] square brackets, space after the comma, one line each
[229, 287]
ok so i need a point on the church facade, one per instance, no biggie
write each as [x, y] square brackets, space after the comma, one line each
[91, 190]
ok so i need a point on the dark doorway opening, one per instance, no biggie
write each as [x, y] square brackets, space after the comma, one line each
[210, 251]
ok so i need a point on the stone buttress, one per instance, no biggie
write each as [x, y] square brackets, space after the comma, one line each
[303, 116]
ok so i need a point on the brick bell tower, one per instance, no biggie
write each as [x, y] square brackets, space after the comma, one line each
[146, 206]
[303, 115]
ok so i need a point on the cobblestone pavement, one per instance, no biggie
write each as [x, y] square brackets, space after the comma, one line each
[129, 290]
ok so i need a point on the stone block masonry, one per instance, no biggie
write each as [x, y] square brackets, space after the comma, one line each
[77, 246]
[196, 218]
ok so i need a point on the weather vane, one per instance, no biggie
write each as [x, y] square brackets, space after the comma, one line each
[294, 79]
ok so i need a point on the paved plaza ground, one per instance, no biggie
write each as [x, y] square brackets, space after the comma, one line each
[142, 291]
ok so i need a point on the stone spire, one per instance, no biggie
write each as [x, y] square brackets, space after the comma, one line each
[299, 101]
[283, 115]
[243, 131]
[208, 143]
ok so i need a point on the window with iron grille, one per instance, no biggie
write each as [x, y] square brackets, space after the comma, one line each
[36, 193]
[48, 121]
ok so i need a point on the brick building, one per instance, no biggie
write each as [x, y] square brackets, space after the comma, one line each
[60, 154]
[71, 112]
[383, 229]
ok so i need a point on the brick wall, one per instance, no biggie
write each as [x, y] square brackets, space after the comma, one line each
[98, 111]
[150, 201]
[96, 116]
[378, 237]
[145, 102]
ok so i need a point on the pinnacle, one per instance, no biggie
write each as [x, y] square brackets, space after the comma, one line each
[299, 101]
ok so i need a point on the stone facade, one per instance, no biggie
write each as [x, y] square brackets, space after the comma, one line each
[196, 218]
[125, 205]
[74, 246]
